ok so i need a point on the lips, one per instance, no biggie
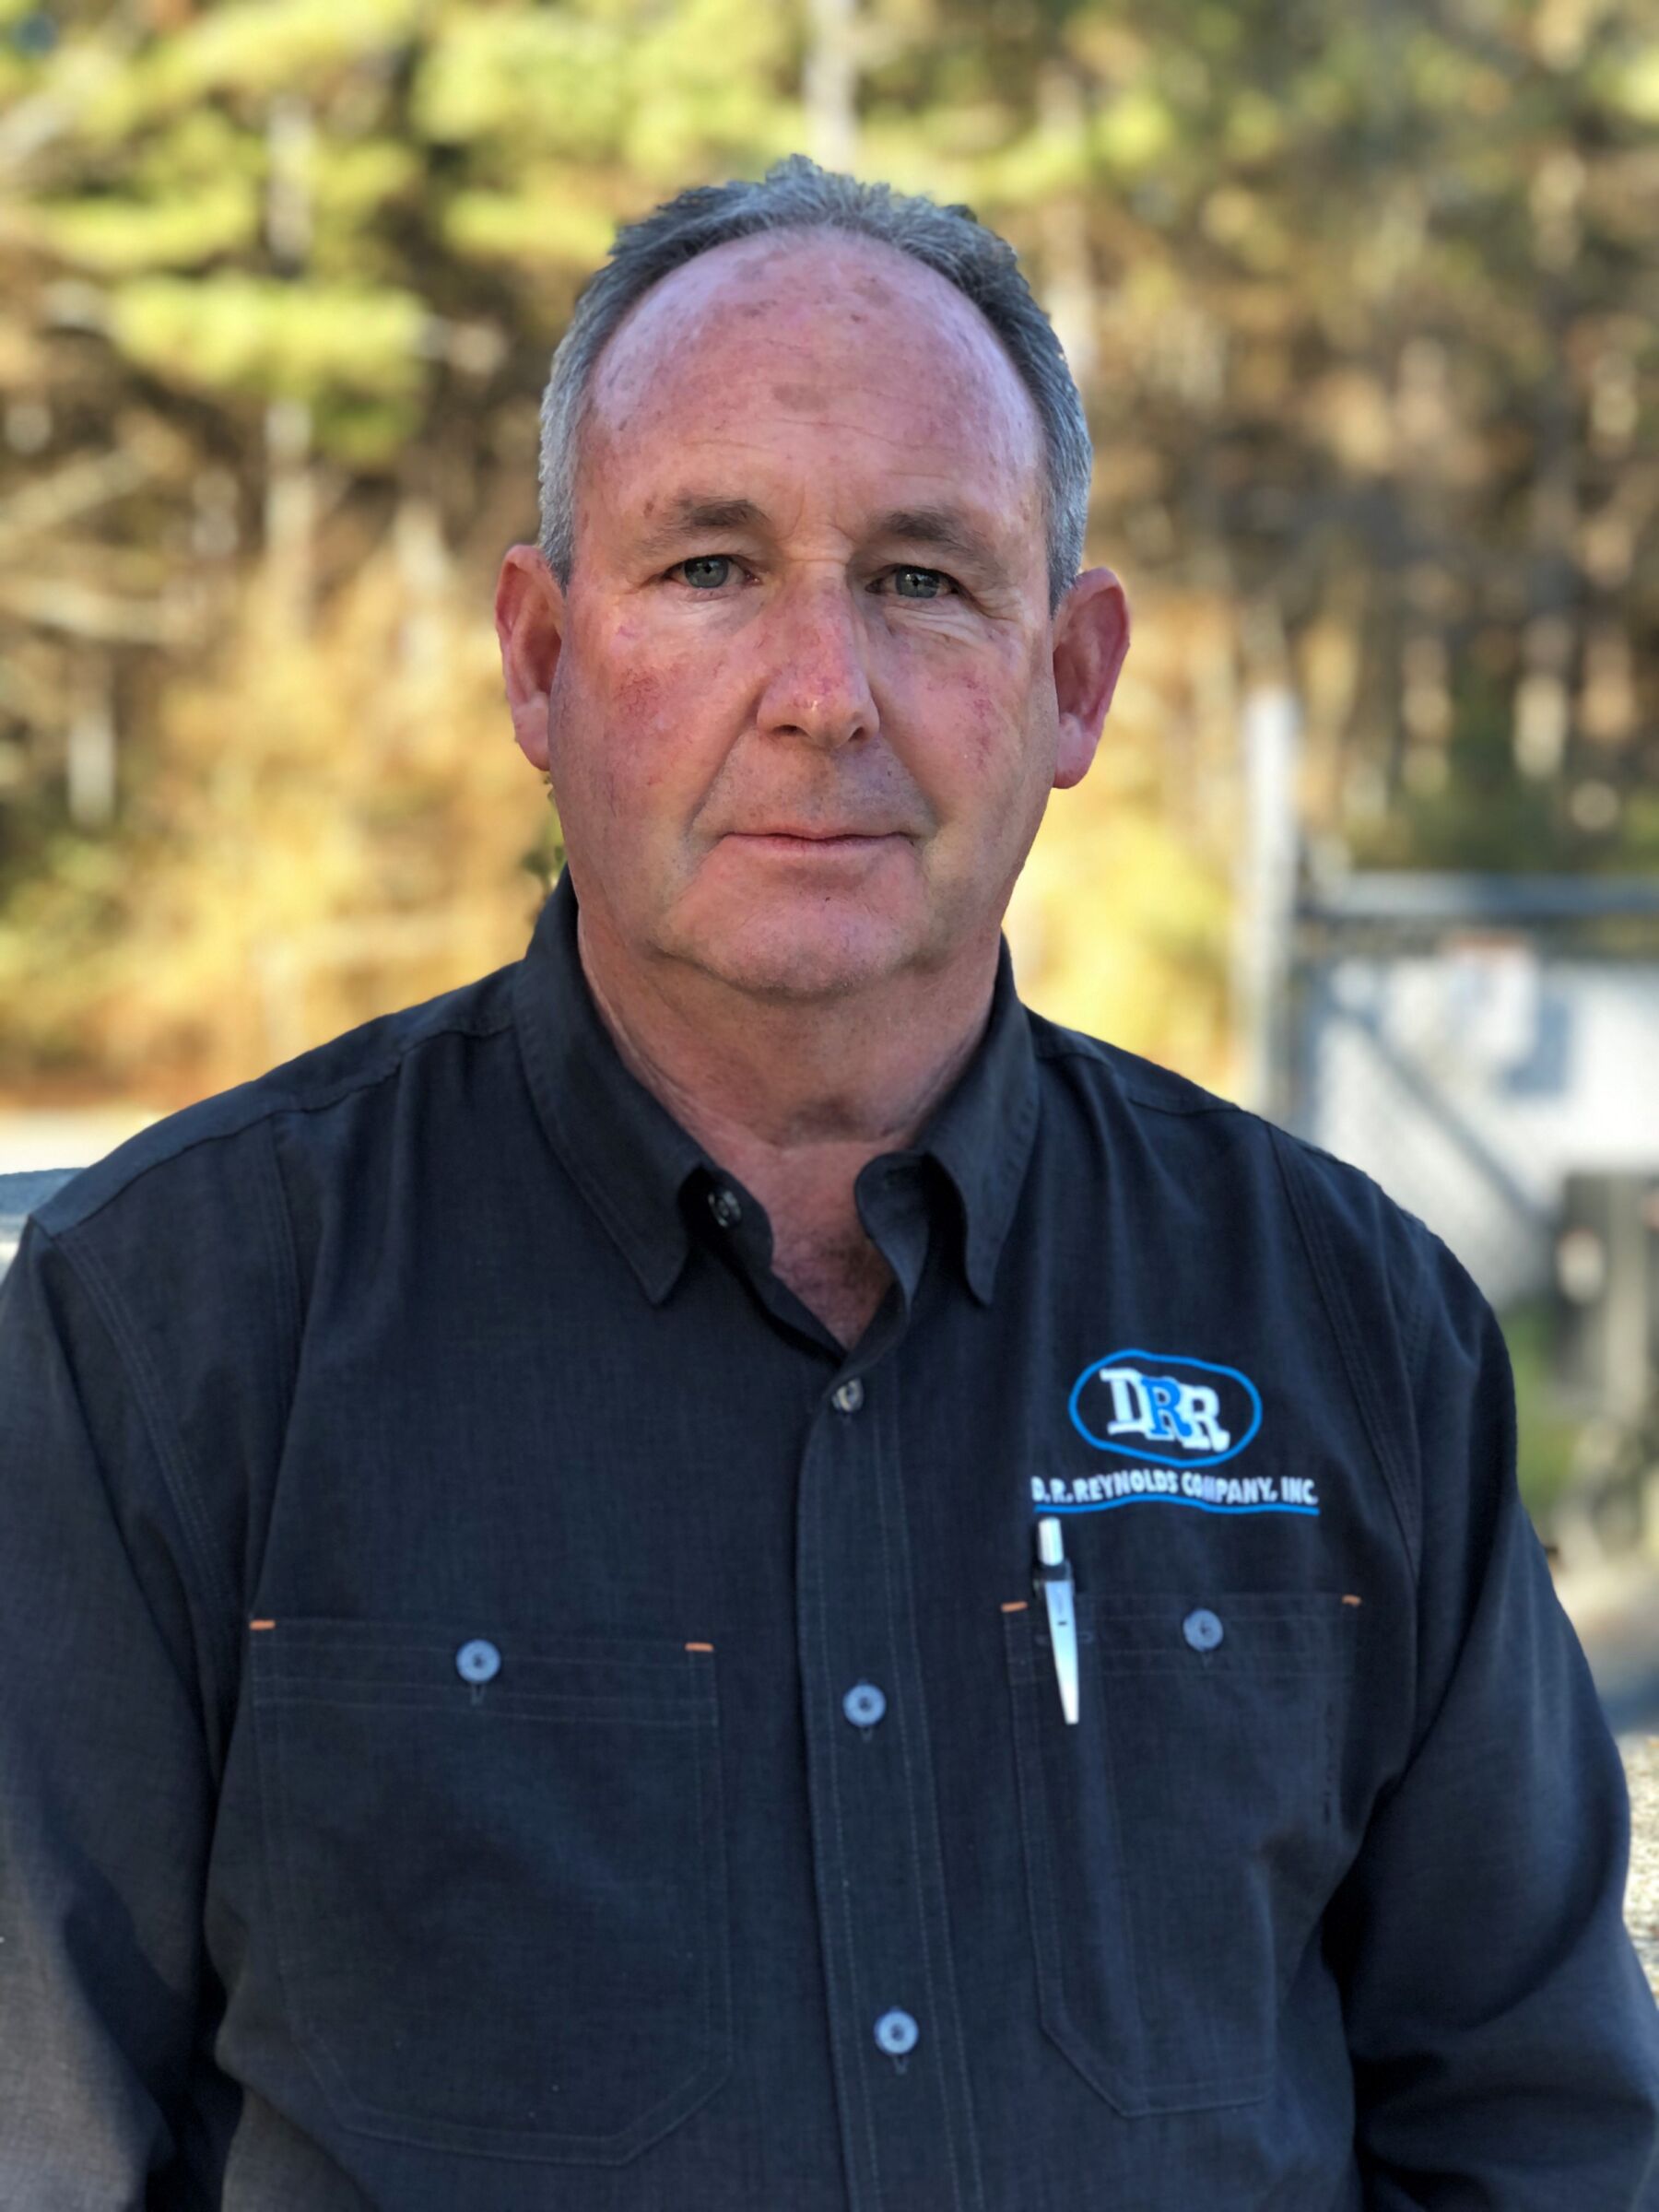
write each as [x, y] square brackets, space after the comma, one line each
[818, 837]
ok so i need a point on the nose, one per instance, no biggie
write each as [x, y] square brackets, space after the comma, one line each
[817, 685]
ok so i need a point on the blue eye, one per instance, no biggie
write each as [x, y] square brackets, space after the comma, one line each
[918, 583]
[706, 571]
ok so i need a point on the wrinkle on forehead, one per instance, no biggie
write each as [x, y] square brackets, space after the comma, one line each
[693, 343]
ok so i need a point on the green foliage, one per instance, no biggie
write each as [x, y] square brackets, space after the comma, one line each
[546, 222]
[553, 82]
[115, 235]
[1364, 302]
[260, 335]
[247, 53]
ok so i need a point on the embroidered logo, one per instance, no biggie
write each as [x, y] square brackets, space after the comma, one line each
[1176, 1416]
[1173, 1411]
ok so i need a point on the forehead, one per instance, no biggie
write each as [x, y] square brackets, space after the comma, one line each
[832, 338]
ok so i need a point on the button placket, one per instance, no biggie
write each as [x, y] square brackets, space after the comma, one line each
[879, 1872]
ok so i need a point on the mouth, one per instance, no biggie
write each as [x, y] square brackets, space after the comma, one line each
[818, 840]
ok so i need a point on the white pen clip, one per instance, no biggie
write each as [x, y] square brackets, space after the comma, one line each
[1053, 1578]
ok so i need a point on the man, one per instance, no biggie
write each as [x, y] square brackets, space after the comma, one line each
[527, 1680]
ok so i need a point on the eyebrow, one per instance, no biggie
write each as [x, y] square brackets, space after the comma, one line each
[941, 528]
[693, 512]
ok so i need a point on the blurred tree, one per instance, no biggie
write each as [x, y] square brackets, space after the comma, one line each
[1363, 305]
[284, 279]
[1369, 302]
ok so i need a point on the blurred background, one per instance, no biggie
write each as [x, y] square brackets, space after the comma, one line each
[1361, 297]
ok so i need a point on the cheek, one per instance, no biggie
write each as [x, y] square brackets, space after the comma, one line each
[989, 738]
[639, 671]
[984, 722]
[632, 721]
[639, 710]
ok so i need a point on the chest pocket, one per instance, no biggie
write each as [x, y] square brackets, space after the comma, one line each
[498, 1871]
[1181, 1839]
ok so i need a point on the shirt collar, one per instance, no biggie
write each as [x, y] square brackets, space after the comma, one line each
[631, 1159]
[982, 1134]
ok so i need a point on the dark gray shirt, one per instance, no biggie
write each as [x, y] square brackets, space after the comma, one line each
[502, 1714]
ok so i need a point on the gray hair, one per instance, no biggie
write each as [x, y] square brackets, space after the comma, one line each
[797, 195]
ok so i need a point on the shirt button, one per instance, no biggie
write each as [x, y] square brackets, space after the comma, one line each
[849, 1397]
[726, 1207]
[478, 1661]
[863, 1704]
[897, 2032]
[1202, 1629]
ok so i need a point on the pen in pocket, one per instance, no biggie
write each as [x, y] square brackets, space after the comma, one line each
[1053, 1580]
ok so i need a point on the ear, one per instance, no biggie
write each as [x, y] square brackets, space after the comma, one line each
[530, 619]
[1091, 636]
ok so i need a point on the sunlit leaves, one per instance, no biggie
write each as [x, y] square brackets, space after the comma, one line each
[552, 219]
[529, 81]
[257, 334]
[116, 234]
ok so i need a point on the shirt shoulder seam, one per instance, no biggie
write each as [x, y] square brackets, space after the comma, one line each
[273, 1105]
[1053, 1043]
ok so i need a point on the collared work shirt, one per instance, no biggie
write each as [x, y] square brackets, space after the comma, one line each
[502, 1713]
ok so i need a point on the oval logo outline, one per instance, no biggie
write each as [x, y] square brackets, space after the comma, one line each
[1161, 1459]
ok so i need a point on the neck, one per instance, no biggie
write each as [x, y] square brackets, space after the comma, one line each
[795, 1098]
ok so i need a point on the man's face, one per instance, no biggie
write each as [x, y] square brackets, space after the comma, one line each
[802, 718]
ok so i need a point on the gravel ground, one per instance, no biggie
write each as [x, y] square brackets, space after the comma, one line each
[1642, 1893]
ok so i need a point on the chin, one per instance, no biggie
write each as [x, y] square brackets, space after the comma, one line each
[773, 957]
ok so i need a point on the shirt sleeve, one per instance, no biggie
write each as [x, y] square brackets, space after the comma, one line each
[106, 1807]
[1505, 2043]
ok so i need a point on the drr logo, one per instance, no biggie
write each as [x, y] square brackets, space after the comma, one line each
[1166, 1407]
